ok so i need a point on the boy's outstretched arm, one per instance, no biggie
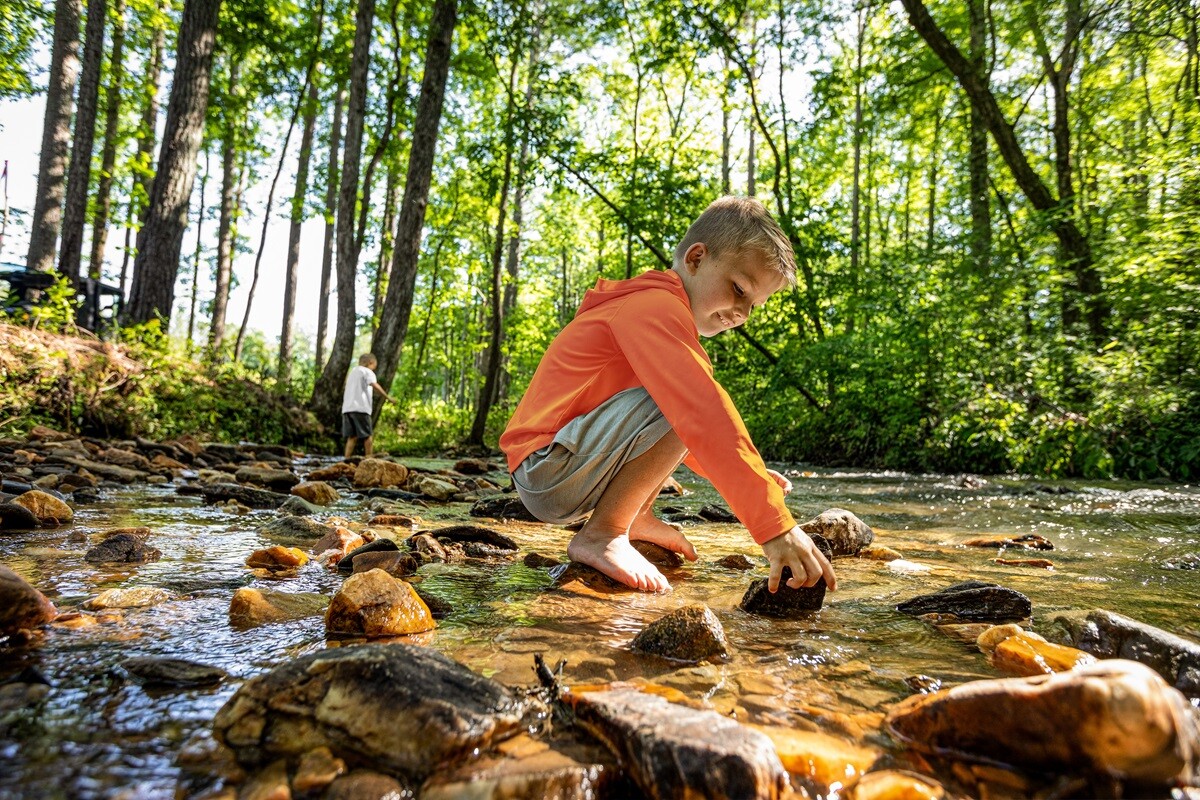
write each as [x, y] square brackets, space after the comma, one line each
[794, 549]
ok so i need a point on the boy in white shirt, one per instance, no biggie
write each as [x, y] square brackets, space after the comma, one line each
[357, 406]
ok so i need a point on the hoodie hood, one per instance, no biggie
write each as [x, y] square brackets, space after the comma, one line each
[606, 290]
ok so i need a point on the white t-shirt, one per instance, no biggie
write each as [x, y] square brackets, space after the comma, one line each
[357, 397]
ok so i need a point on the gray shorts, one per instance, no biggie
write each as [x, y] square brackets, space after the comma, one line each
[563, 481]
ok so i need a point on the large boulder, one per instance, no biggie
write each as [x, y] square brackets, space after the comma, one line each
[1113, 718]
[408, 710]
[22, 607]
[373, 603]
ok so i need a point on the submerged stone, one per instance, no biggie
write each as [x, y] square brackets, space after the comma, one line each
[376, 604]
[173, 671]
[1029, 541]
[132, 597]
[408, 710]
[786, 602]
[279, 480]
[971, 601]
[507, 506]
[1112, 718]
[672, 751]
[461, 534]
[246, 495]
[250, 607]
[691, 633]
[122, 548]
[530, 768]
[1012, 649]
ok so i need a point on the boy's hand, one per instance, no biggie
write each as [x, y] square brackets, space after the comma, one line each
[795, 550]
[783, 482]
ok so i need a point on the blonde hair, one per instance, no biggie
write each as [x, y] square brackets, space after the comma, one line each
[734, 224]
[367, 358]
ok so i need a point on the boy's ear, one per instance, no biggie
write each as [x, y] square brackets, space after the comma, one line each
[693, 256]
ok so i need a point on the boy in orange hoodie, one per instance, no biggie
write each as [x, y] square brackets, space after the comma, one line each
[625, 392]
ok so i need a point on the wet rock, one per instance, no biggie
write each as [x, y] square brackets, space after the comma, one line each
[715, 513]
[482, 550]
[471, 466]
[658, 555]
[376, 604]
[396, 564]
[110, 472]
[341, 471]
[876, 552]
[24, 690]
[1035, 563]
[49, 510]
[277, 559]
[125, 458]
[14, 517]
[246, 495]
[971, 601]
[736, 561]
[346, 565]
[270, 783]
[897, 784]
[278, 480]
[539, 561]
[1029, 541]
[786, 603]
[162, 461]
[337, 544]
[528, 768]
[671, 488]
[672, 751]
[846, 533]
[395, 494]
[133, 597]
[140, 532]
[85, 495]
[250, 608]
[173, 671]
[473, 533]
[1108, 635]
[922, 684]
[392, 521]
[291, 527]
[379, 473]
[821, 763]
[1189, 561]
[902, 566]
[1113, 718]
[502, 507]
[318, 492]
[122, 548]
[577, 578]
[406, 709]
[299, 507]
[1012, 649]
[692, 633]
[366, 785]
[22, 607]
[435, 488]
[428, 548]
[317, 769]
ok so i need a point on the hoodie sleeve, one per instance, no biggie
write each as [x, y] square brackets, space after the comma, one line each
[656, 334]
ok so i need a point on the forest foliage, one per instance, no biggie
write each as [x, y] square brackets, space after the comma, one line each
[995, 207]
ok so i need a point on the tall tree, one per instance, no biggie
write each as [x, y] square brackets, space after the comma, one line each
[284, 373]
[80, 171]
[108, 151]
[330, 214]
[56, 136]
[160, 241]
[230, 207]
[327, 392]
[397, 306]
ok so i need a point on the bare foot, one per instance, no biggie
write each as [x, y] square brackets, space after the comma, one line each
[613, 555]
[649, 528]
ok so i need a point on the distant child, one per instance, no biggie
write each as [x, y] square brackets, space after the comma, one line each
[357, 406]
[625, 392]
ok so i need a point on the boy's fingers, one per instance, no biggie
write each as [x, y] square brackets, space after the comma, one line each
[776, 574]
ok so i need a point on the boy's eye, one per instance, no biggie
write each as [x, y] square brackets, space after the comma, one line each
[738, 290]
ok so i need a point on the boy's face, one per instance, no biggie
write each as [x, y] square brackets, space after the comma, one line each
[724, 289]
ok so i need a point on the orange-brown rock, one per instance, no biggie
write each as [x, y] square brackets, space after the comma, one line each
[164, 461]
[40, 433]
[1029, 541]
[340, 540]
[46, 507]
[1036, 563]
[317, 769]
[377, 472]
[342, 470]
[277, 558]
[250, 608]
[1116, 718]
[373, 604]
[317, 492]
[824, 764]
[22, 607]
[393, 521]
[1012, 649]
[896, 784]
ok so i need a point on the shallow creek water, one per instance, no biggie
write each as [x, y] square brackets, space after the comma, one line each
[101, 734]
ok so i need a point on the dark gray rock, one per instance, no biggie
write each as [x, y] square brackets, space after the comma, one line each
[971, 601]
[1108, 635]
[17, 518]
[85, 495]
[290, 527]
[279, 480]
[346, 564]
[735, 561]
[246, 495]
[462, 534]
[122, 548]
[691, 633]
[299, 507]
[715, 513]
[508, 506]
[786, 603]
[673, 751]
[404, 709]
[173, 671]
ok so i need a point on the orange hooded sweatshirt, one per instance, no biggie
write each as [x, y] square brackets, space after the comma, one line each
[640, 332]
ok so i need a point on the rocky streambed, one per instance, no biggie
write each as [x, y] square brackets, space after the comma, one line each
[190, 619]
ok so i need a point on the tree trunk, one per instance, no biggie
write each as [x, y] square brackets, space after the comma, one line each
[327, 393]
[159, 243]
[108, 153]
[79, 172]
[284, 372]
[56, 137]
[226, 221]
[148, 128]
[331, 182]
[391, 199]
[191, 330]
[1075, 248]
[856, 186]
[397, 306]
[977, 154]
